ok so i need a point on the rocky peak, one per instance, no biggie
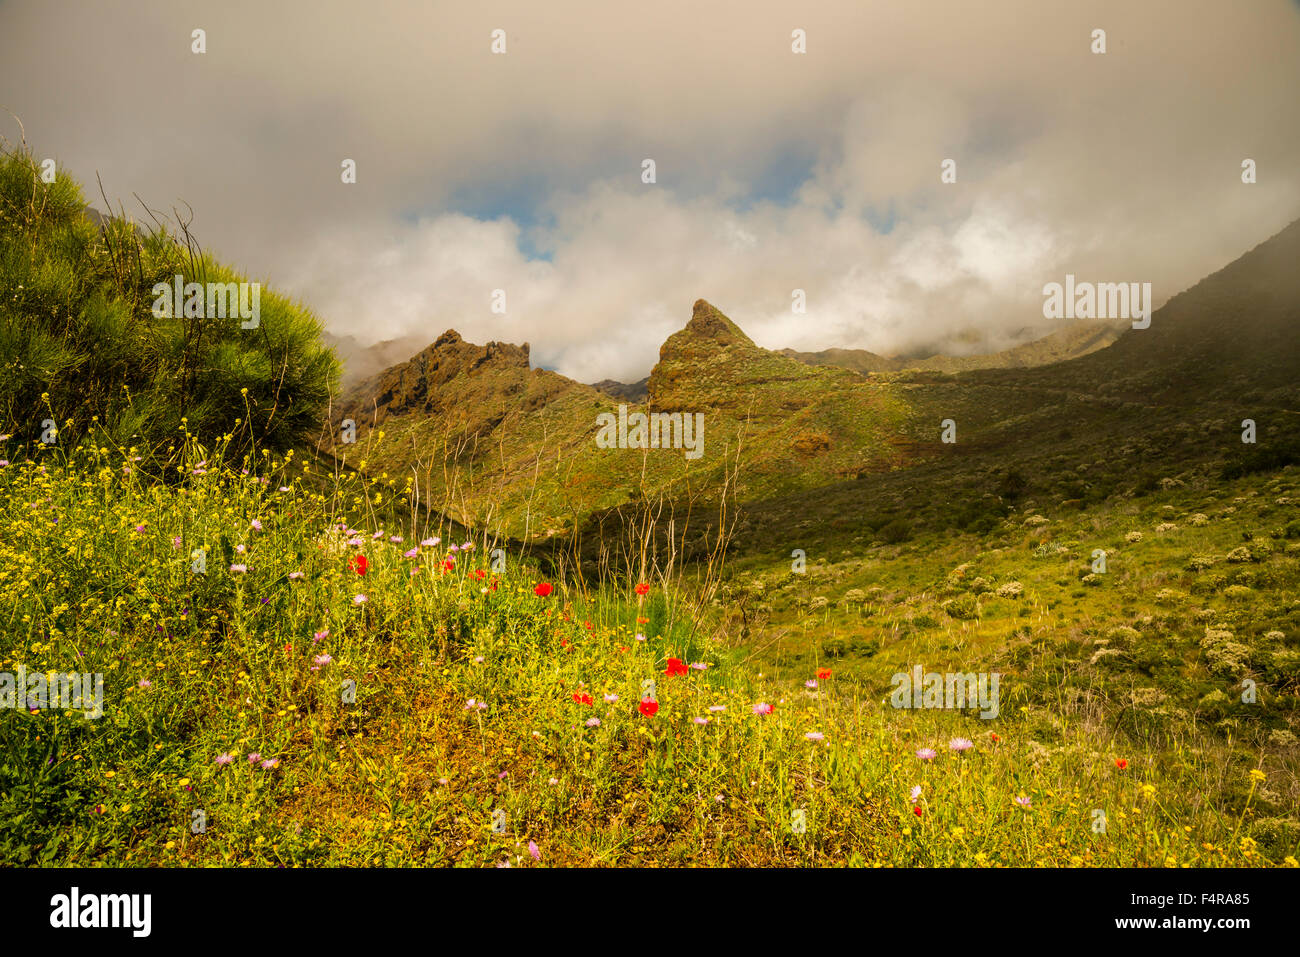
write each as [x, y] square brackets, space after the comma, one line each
[708, 323]
[707, 334]
[418, 382]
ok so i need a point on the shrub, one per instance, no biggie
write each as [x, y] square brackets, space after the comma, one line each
[80, 345]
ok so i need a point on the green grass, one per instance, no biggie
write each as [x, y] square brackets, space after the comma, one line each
[198, 666]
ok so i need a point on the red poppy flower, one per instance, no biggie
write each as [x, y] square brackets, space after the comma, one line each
[479, 574]
[675, 667]
[643, 621]
[587, 625]
[542, 590]
[358, 564]
[564, 643]
[648, 707]
[622, 648]
[582, 697]
[1121, 763]
[823, 673]
[917, 810]
[993, 736]
[643, 589]
[448, 564]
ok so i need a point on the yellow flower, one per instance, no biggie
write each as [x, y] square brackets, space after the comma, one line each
[184, 781]
[1257, 775]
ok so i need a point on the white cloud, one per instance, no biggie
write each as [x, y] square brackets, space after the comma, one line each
[1123, 166]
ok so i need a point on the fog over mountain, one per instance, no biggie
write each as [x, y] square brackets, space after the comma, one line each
[775, 171]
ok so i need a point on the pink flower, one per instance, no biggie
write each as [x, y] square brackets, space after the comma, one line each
[927, 754]
[763, 708]
[815, 736]
[701, 721]
[533, 851]
[225, 758]
[960, 744]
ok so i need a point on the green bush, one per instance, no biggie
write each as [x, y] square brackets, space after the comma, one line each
[81, 347]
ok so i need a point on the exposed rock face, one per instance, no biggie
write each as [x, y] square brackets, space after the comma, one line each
[712, 364]
[419, 384]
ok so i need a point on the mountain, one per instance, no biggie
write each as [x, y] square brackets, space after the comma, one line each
[1077, 339]
[361, 362]
[789, 437]
[625, 391]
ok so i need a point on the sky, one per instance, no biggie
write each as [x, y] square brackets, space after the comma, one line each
[775, 170]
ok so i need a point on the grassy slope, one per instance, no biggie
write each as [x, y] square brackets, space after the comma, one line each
[200, 666]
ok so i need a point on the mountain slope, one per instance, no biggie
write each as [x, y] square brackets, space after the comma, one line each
[1162, 401]
[1077, 339]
